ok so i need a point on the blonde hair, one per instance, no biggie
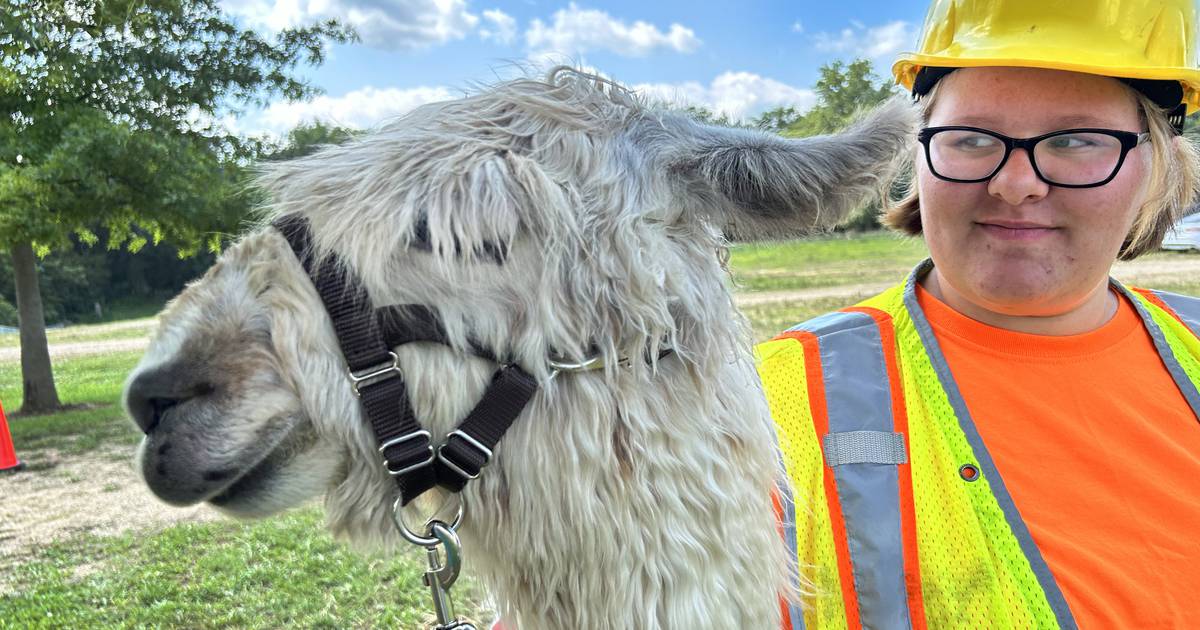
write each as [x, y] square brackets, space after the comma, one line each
[1174, 176]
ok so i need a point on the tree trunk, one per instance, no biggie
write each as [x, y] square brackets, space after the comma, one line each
[40, 394]
[135, 275]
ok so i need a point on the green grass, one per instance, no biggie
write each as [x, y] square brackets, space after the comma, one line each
[276, 573]
[825, 262]
[1182, 287]
[94, 384]
[768, 320]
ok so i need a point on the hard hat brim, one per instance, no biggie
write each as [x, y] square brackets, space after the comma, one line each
[908, 64]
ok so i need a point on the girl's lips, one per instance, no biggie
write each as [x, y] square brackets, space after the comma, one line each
[1016, 231]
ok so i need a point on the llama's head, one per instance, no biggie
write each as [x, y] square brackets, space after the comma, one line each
[536, 219]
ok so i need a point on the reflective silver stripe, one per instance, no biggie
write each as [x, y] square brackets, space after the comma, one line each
[1188, 310]
[858, 399]
[864, 447]
[1054, 596]
[1186, 307]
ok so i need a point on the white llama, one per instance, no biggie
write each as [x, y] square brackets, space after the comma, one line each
[536, 219]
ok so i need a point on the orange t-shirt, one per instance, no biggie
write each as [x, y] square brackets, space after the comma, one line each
[1101, 455]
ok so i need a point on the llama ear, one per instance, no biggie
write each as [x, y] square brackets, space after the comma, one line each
[759, 186]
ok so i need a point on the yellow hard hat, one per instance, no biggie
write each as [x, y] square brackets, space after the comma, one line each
[1150, 40]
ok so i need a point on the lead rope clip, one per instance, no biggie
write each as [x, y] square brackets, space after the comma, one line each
[443, 553]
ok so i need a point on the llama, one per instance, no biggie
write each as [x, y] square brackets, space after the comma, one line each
[539, 218]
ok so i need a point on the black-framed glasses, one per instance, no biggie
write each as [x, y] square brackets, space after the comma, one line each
[1070, 158]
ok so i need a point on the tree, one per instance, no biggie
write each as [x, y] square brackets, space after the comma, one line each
[309, 137]
[708, 117]
[842, 91]
[106, 119]
[777, 120]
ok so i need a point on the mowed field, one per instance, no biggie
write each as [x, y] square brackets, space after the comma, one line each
[83, 544]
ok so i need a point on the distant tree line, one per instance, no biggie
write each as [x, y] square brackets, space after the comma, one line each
[83, 284]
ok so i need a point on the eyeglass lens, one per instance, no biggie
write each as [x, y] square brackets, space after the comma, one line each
[1073, 159]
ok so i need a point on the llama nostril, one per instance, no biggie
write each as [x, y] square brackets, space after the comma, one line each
[153, 393]
[158, 406]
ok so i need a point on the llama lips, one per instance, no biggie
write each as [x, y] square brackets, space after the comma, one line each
[180, 465]
[248, 484]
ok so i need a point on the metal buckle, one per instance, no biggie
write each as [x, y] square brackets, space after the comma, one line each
[376, 373]
[487, 455]
[426, 541]
[400, 440]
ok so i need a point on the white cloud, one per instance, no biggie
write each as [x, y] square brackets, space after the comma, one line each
[387, 24]
[797, 27]
[741, 95]
[875, 43]
[502, 26]
[359, 109]
[575, 31]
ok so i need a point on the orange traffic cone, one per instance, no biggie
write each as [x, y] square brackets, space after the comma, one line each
[8, 457]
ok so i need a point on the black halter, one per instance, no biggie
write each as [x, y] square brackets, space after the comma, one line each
[366, 336]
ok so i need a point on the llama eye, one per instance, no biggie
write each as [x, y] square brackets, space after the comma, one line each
[420, 236]
[496, 252]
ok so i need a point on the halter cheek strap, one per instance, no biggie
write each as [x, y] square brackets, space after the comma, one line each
[366, 336]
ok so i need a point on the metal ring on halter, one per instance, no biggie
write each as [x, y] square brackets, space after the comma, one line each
[591, 363]
[423, 541]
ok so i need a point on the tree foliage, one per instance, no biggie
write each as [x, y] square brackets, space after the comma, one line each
[778, 120]
[309, 137]
[108, 123]
[136, 185]
[707, 116]
[843, 90]
[110, 108]
[154, 62]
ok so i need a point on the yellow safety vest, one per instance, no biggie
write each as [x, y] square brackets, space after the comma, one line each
[896, 512]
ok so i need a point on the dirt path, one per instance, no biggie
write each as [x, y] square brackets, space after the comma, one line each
[1150, 272]
[1137, 272]
[59, 496]
[757, 298]
[82, 348]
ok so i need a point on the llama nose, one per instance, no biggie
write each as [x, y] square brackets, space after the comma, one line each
[154, 392]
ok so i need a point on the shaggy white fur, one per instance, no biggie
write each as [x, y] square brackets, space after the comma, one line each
[631, 497]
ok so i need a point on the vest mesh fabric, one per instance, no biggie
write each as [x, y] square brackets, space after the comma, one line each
[784, 376]
[973, 571]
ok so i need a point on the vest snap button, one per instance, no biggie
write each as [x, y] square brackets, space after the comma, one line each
[968, 472]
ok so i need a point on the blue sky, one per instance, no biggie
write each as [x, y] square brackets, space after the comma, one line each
[737, 58]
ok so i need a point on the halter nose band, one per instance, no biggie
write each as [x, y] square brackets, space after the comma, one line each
[366, 336]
